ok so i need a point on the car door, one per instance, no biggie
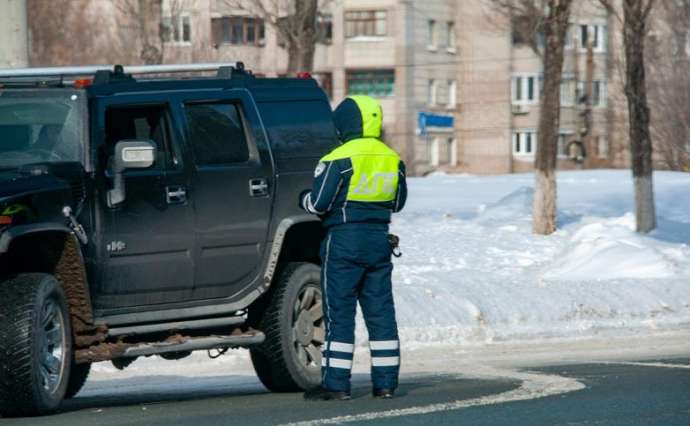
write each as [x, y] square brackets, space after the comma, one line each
[148, 240]
[233, 188]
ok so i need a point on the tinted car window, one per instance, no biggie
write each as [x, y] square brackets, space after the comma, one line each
[302, 129]
[216, 134]
[140, 122]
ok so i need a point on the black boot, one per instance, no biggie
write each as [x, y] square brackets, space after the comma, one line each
[321, 394]
[383, 393]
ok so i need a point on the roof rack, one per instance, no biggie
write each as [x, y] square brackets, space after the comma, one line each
[61, 72]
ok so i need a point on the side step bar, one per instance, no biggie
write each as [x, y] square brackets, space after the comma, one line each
[178, 343]
[179, 325]
[194, 344]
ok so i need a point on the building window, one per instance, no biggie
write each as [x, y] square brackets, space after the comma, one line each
[373, 83]
[564, 138]
[432, 93]
[365, 23]
[569, 92]
[450, 36]
[432, 41]
[238, 30]
[452, 93]
[324, 28]
[452, 152]
[602, 147]
[524, 143]
[526, 88]
[599, 93]
[177, 29]
[433, 152]
[595, 33]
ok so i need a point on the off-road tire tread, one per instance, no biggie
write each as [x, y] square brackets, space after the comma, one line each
[268, 358]
[17, 305]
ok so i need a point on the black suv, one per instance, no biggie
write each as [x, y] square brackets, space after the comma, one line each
[156, 216]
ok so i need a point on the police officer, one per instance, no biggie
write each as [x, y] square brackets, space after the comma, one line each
[356, 188]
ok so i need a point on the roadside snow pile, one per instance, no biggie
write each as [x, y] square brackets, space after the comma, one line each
[610, 249]
[473, 272]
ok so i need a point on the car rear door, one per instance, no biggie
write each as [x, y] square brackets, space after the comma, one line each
[233, 188]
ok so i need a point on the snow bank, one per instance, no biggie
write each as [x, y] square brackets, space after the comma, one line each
[472, 271]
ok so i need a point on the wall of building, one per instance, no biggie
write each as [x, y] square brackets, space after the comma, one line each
[13, 34]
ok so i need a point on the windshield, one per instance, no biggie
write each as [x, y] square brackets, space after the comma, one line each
[40, 126]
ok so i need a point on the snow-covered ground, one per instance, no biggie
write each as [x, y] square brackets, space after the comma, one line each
[473, 273]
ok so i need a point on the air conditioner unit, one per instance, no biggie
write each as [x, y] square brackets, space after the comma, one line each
[520, 109]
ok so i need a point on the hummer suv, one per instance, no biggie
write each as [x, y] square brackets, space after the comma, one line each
[144, 213]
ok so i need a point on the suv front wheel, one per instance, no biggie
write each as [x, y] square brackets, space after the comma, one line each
[35, 345]
[291, 317]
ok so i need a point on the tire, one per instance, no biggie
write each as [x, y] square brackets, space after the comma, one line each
[77, 378]
[291, 317]
[35, 345]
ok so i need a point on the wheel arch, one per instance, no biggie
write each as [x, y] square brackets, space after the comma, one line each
[297, 239]
[54, 249]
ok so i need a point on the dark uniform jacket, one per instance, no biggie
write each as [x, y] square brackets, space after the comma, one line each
[363, 180]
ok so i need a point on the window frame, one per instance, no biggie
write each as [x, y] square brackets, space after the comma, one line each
[562, 148]
[517, 143]
[175, 27]
[452, 100]
[372, 72]
[452, 151]
[432, 93]
[523, 88]
[599, 92]
[451, 37]
[434, 154]
[598, 31]
[601, 154]
[356, 21]
[432, 35]
[227, 26]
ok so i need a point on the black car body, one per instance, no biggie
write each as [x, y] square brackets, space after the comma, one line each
[197, 238]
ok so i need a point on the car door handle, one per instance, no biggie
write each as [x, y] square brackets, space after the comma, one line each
[258, 187]
[175, 194]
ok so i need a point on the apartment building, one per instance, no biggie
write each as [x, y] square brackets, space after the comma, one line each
[459, 87]
[500, 78]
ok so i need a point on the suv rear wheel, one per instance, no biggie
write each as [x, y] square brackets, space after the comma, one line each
[292, 318]
[35, 345]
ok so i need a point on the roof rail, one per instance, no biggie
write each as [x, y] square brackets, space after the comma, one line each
[129, 69]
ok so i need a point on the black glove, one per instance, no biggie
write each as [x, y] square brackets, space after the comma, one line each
[301, 199]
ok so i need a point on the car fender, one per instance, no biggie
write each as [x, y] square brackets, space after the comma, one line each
[278, 240]
[17, 231]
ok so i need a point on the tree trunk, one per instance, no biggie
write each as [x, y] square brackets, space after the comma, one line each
[544, 208]
[149, 22]
[634, 31]
[302, 45]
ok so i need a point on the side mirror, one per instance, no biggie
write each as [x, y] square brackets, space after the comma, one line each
[129, 154]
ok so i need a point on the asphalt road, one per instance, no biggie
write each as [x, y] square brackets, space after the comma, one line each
[627, 393]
